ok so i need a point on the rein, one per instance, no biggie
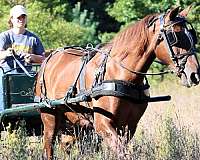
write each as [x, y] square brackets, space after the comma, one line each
[123, 66]
[22, 67]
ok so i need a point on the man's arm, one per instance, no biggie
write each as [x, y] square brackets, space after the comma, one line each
[5, 53]
[33, 58]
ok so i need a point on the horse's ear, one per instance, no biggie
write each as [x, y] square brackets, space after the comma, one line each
[185, 12]
[171, 15]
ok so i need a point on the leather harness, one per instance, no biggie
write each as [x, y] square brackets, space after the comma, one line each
[100, 87]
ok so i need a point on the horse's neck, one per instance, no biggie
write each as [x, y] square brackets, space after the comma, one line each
[132, 61]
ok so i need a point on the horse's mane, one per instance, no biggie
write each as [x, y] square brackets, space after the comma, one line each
[133, 37]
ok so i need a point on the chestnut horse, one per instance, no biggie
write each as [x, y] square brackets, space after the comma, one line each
[110, 80]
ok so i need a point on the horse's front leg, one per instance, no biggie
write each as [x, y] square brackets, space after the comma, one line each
[49, 122]
[105, 116]
[104, 127]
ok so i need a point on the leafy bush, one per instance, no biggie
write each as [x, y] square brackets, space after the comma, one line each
[55, 31]
[106, 37]
[4, 15]
[127, 10]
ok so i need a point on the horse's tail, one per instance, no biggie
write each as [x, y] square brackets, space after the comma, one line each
[35, 84]
[37, 88]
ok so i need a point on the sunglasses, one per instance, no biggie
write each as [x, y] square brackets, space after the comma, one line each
[23, 16]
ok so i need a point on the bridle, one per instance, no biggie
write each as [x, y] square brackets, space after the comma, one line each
[170, 39]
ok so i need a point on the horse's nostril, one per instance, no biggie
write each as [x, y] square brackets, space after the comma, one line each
[195, 78]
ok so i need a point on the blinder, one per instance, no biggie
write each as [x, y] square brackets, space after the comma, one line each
[184, 39]
[171, 37]
[192, 31]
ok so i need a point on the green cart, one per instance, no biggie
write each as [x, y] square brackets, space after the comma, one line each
[18, 102]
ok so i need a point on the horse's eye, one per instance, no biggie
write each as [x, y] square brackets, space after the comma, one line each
[178, 28]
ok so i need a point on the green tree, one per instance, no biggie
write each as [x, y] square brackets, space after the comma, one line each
[127, 11]
[55, 31]
[59, 8]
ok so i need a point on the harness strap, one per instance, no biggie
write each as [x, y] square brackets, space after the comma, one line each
[42, 80]
[86, 58]
[100, 72]
[72, 91]
[21, 66]
[119, 88]
[82, 79]
[163, 34]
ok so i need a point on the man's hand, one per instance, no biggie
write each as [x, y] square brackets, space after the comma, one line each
[9, 52]
[28, 58]
[6, 53]
[33, 58]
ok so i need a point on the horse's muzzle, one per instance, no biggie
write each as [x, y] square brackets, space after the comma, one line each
[195, 78]
[189, 80]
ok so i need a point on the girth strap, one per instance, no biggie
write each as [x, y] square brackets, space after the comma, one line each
[118, 88]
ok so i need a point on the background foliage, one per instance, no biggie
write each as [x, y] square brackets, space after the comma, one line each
[127, 11]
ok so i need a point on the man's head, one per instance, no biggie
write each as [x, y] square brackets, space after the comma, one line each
[18, 16]
[17, 11]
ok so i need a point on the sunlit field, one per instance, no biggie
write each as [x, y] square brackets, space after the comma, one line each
[167, 130]
[172, 128]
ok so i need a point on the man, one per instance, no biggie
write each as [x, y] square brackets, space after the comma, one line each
[26, 46]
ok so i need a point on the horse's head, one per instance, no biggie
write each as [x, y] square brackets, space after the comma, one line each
[175, 45]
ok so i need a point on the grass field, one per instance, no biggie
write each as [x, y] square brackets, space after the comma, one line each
[168, 130]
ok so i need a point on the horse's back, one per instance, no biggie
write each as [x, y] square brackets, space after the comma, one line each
[58, 72]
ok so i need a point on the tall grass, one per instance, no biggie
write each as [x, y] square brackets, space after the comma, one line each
[168, 130]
